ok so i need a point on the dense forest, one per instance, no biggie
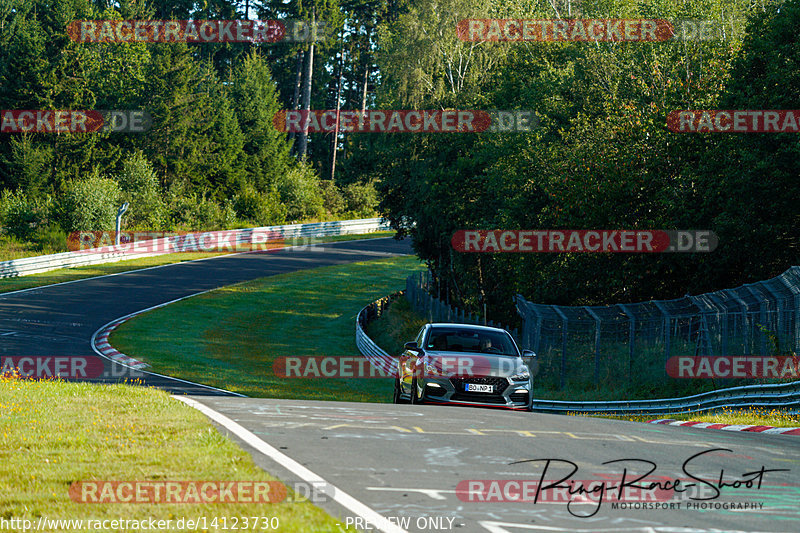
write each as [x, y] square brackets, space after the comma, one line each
[601, 156]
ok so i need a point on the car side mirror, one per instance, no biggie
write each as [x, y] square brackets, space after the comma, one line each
[412, 346]
[531, 361]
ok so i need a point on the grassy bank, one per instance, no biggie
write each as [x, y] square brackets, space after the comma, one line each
[230, 338]
[54, 433]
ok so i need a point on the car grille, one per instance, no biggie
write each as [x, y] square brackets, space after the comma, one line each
[500, 385]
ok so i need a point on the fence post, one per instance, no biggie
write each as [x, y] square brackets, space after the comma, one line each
[631, 337]
[596, 343]
[746, 320]
[564, 332]
[667, 336]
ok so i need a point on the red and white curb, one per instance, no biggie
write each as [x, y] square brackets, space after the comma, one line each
[100, 342]
[101, 345]
[727, 427]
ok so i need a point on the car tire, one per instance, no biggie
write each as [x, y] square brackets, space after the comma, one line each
[416, 400]
[398, 398]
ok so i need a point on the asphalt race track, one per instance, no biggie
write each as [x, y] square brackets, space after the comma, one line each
[406, 462]
[61, 319]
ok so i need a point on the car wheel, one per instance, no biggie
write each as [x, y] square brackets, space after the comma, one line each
[398, 398]
[415, 399]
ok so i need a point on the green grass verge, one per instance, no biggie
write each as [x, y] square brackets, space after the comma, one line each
[229, 338]
[751, 417]
[54, 433]
[70, 274]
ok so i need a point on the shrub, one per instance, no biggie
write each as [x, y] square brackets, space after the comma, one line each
[139, 186]
[361, 199]
[19, 214]
[262, 208]
[300, 192]
[89, 205]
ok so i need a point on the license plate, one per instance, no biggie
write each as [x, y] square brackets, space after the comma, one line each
[477, 387]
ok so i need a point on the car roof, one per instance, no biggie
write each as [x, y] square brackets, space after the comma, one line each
[466, 326]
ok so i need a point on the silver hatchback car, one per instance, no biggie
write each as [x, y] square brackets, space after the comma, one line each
[467, 365]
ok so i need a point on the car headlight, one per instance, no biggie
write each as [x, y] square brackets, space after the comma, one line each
[521, 375]
[431, 370]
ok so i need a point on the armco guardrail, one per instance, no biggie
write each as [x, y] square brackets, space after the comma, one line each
[44, 263]
[376, 356]
[785, 396]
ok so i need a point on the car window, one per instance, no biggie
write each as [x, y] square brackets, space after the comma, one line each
[469, 340]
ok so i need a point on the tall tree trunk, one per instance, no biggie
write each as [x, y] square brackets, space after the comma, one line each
[364, 89]
[335, 143]
[296, 98]
[302, 147]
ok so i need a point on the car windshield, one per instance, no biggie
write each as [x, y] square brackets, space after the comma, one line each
[470, 340]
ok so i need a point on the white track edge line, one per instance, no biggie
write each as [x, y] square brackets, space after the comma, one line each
[344, 499]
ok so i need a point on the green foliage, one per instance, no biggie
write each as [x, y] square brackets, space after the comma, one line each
[89, 204]
[601, 157]
[361, 200]
[18, 214]
[263, 209]
[140, 188]
[212, 143]
[300, 193]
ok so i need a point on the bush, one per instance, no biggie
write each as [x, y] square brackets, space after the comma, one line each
[300, 192]
[332, 199]
[263, 209]
[140, 187]
[19, 214]
[89, 205]
[361, 199]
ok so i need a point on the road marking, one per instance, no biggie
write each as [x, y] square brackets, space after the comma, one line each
[345, 500]
[434, 494]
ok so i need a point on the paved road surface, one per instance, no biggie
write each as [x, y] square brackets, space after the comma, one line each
[60, 319]
[407, 461]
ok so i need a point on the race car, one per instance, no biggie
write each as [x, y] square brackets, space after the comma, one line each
[467, 365]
